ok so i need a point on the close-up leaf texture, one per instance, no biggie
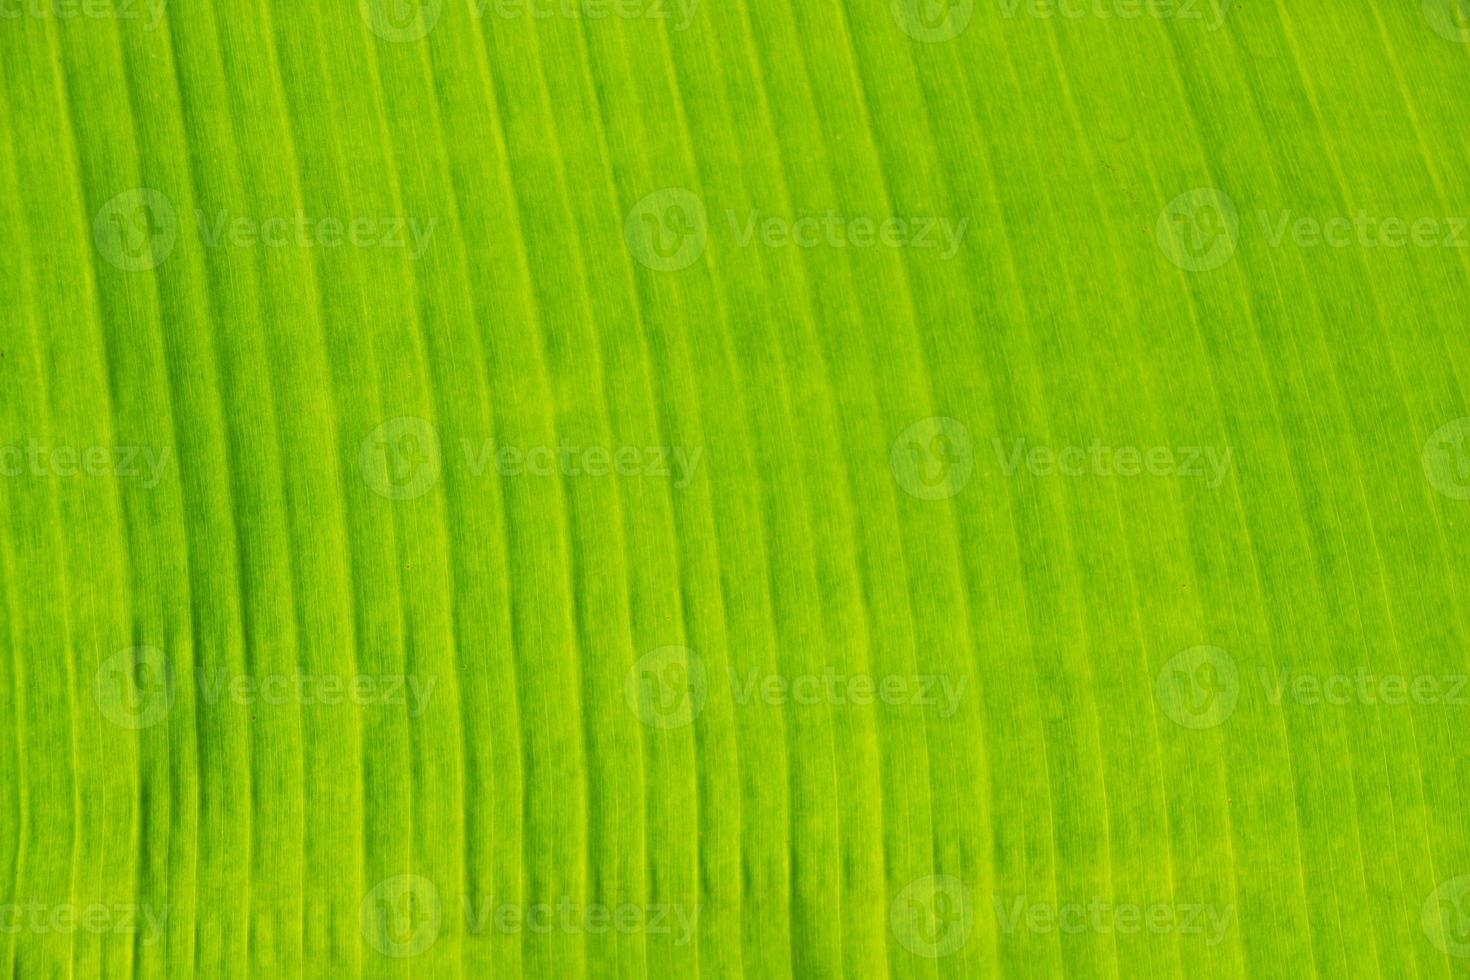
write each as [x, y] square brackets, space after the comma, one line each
[734, 488]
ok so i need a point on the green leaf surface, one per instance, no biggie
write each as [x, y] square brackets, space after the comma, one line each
[677, 488]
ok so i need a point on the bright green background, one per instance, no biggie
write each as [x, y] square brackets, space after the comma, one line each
[1061, 320]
